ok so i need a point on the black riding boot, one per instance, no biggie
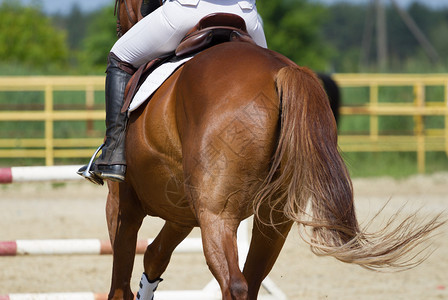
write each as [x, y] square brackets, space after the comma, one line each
[112, 162]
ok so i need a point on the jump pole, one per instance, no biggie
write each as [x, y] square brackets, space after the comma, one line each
[39, 174]
[55, 296]
[161, 295]
[82, 247]
[102, 247]
[204, 294]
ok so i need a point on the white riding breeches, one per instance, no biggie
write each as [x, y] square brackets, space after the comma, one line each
[161, 31]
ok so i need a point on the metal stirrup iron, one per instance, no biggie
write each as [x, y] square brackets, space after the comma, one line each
[90, 175]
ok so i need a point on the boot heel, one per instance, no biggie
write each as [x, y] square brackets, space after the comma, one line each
[111, 172]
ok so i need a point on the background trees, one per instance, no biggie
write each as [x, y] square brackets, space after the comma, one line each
[325, 38]
[99, 38]
[293, 28]
[28, 40]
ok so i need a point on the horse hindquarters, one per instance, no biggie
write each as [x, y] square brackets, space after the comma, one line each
[227, 118]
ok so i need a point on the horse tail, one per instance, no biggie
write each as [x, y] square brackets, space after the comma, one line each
[309, 182]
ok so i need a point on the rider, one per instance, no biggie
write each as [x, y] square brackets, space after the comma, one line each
[157, 34]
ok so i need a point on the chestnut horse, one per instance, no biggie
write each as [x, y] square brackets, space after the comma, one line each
[238, 131]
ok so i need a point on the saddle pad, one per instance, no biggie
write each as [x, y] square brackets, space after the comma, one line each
[154, 81]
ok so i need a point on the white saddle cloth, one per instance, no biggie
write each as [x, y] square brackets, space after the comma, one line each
[154, 81]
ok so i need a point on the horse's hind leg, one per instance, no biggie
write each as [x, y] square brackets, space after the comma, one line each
[158, 254]
[124, 220]
[265, 247]
[221, 253]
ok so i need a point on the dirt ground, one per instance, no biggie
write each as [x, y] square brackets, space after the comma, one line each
[76, 210]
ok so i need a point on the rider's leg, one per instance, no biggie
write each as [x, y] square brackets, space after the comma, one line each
[112, 162]
[161, 31]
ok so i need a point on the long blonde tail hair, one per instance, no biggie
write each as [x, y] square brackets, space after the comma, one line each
[309, 182]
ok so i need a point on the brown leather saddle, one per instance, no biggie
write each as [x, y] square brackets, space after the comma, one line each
[212, 30]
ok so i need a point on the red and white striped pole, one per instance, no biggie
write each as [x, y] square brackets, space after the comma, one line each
[34, 174]
[81, 247]
[55, 296]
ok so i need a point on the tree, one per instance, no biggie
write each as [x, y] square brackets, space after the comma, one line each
[343, 30]
[101, 35]
[76, 25]
[293, 28]
[351, 30]
[28, 38]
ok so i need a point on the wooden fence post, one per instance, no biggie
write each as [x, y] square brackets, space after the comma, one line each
[49, 126]
[419, 101]
[373, 102]
[90, 101]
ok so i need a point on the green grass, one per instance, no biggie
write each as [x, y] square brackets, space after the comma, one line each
[394, 164]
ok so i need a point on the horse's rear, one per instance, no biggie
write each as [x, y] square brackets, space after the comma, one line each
[237, 130]
[209, 131]
[197, 154]
[228, 120]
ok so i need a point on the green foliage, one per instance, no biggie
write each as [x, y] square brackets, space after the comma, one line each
[343, 29]
[76, 23]
[28, 38]
[438, 35]
[323, 37]
[293, 28]
[347, 26]
[100, 37]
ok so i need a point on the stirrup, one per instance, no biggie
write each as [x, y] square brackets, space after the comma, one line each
[88, 173]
